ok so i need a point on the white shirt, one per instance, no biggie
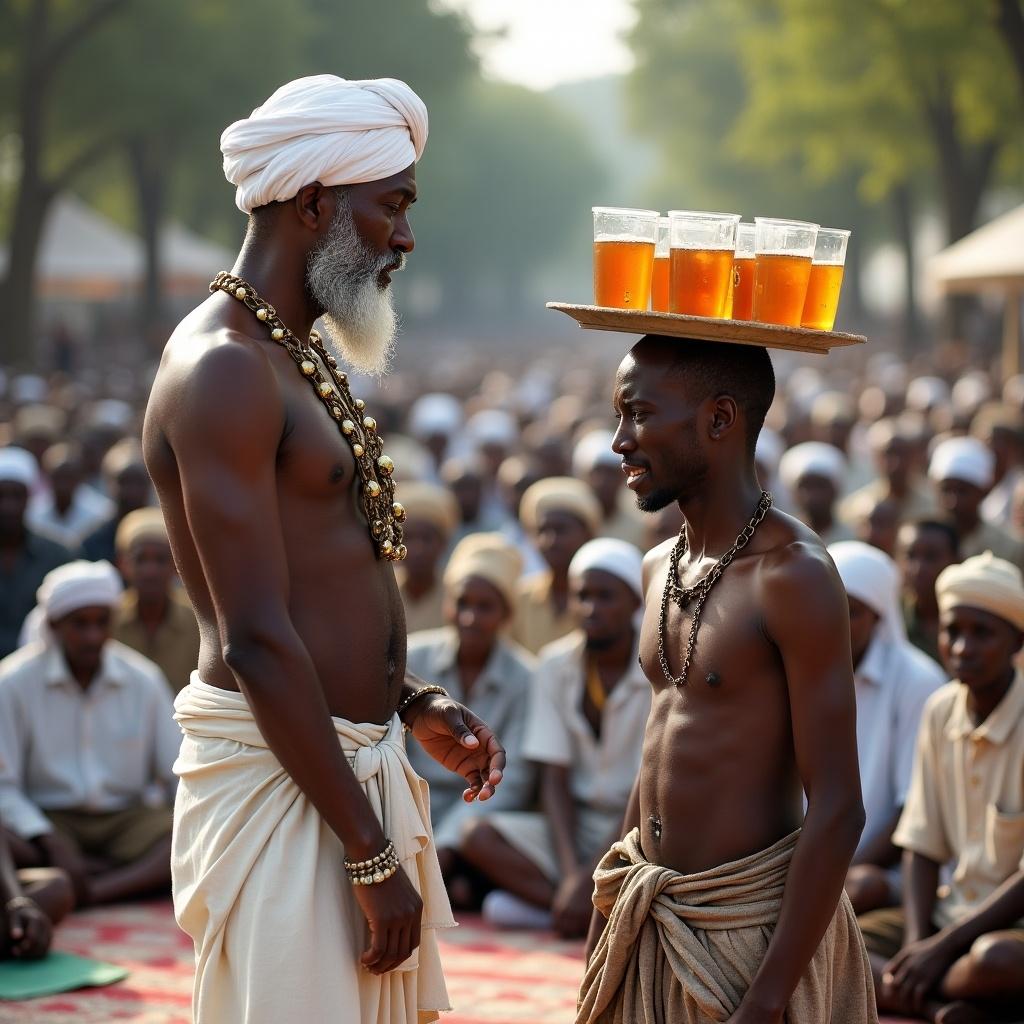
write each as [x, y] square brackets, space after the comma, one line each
[604, 767]
[499, 697]
[98, 749]
[87, 511]
[966, 802]
[892, 682]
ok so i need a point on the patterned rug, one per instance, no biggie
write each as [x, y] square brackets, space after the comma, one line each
[493, 977]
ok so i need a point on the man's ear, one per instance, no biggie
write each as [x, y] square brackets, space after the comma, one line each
[314, 207]
[724, 417]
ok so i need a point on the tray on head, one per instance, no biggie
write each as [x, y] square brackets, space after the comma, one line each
[703, 328]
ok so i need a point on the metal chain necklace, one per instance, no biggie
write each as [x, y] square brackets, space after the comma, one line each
[699, 591]
[384, 515]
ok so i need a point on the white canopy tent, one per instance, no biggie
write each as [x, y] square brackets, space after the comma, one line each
[85, 256]
[990, 260]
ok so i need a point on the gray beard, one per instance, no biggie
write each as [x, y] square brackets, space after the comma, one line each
[343, 277]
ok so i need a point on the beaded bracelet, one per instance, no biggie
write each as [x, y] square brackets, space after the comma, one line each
[419, 693]
[375, 870]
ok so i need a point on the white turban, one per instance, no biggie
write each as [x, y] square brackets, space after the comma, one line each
[986, 582]
[971, 391]
[923, 393]
[560, 494]
[871, 576]
[18, 466]
[812, 458]
[594, 449]
[78, 585]
[435, 413]
[617, 557]
[29, 388]
[493, 426]
[963, 458]
[323, 128]
[490, 557]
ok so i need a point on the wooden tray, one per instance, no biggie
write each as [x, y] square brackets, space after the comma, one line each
[703, 328]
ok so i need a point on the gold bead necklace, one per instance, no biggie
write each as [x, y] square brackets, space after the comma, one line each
[384, 515]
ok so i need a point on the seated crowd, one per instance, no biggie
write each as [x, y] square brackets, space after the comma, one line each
[523, 592]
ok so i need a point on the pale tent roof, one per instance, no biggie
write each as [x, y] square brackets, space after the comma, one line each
[82, 254]
[991, 258]
[85, 255]
[187, 259]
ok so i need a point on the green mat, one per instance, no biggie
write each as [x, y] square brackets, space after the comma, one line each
[58, 972]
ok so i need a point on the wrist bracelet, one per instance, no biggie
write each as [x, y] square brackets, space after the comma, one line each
[375, 870]
[419, 693]
[20, 903]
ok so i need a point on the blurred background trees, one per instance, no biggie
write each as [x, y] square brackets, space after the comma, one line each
[880, 115]
[124, 102]
[864, 113]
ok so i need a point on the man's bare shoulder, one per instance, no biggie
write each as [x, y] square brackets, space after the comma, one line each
[793, 551]
[796, 574]
[209, 370]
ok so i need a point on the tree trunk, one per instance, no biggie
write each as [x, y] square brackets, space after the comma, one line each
[149, 173]
[1010, 22]
[41, 54]
[904, 214]
[964, 172]
[17, 294]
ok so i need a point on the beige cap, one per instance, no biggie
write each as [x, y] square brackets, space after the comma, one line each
[985, 582]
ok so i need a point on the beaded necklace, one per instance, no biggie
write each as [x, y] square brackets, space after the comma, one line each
[384, 515]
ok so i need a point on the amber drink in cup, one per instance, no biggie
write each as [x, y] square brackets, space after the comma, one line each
[743, 265]
[659, 282]
[783, 269]
[700, 267]
[623, 256]
[826, 279]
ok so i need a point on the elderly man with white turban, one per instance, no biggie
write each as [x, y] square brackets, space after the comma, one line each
[962, 471]
[87, 743]
[588, 708]
[955, 952]
[814, 473]
[893, 680]
[302, 835]
[28, 555]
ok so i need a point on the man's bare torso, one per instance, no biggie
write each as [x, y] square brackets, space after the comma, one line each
[343, 603]
[719, 768]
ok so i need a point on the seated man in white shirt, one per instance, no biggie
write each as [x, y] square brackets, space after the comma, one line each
[69, 510]
[893, 679]
[588, 708]
[954, 953]
[87, 741]
[482, 668]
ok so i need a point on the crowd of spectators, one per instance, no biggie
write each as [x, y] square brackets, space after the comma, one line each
[522, 589]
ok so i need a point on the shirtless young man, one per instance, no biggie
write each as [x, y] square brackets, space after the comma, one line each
[264, 488]
[720, 895]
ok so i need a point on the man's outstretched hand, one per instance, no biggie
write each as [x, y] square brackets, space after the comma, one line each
[453, 736]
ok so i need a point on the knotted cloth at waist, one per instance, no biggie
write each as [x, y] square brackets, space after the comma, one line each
[684, 948]
[259, 882]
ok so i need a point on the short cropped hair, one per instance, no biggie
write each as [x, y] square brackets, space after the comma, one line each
[943, 526]
[744, 372]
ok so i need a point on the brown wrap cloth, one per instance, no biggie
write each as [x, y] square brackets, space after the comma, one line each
[683, 949]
